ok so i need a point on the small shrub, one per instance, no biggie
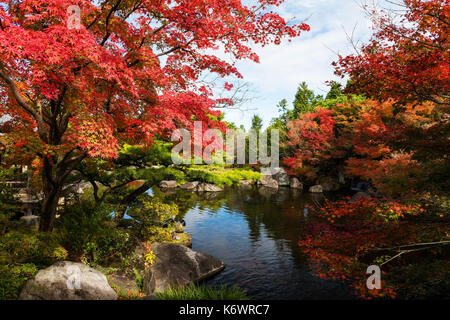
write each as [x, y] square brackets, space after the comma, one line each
[128, 294]
[13, 278]
[21, 247]
[148, 216]
[22, 254]
[87, 231]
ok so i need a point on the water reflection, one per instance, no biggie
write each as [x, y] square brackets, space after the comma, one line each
[255, 232]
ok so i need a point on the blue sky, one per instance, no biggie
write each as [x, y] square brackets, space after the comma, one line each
[307, 58]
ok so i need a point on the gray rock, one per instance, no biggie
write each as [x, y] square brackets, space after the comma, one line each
[282, 177]
[177, 266]
[68, 280]
[272, 171]
[208, 187]
[268, 182]
[190, 185]
[246, 182]
[168, 184]
[316, 189]
[296, 184]
[31, 222]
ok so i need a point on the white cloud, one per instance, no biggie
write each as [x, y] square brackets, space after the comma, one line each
[307, 58]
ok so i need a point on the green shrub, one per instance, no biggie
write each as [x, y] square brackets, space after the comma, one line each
[13, 278]
[202, 292]
[22, 254]
[220, 176]
[29, 246]
[9, 206]
[164, 173]
[87, 230]
[148, 216]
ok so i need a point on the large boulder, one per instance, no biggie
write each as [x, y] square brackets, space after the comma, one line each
[190, 185]
[177, 266]
[208, 187]
[170, 184]
[282, 177]
[68, 280]
[296, 184]
[316, 189]
[268, 182]
[246, 184]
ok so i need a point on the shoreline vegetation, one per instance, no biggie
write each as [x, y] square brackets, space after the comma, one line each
[87, 233]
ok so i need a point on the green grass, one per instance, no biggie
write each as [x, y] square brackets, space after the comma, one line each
[202, 292]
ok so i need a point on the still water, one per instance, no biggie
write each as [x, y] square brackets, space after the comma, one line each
[255, 232]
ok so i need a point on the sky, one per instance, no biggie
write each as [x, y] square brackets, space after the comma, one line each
[307, 58]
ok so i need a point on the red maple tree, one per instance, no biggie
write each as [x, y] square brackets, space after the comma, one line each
[408, 57]
[127, 72]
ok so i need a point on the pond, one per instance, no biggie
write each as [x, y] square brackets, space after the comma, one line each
[255, 232]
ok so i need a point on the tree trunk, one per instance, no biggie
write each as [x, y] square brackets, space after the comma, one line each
[52, 189]
[53, 178]
[48, 209]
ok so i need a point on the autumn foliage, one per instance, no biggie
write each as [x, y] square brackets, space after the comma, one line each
[397, 140]
[348, 236]
[310, 137]
[127, 72]
[408, 58]
[398, 152]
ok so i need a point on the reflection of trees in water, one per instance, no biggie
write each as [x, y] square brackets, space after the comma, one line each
[187, 200]
[279, 211]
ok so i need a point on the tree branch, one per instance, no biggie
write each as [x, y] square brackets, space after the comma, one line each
[25, 106]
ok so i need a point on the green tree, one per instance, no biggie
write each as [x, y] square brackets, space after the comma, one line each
[305, 101]
[257, 123]
[335, 90]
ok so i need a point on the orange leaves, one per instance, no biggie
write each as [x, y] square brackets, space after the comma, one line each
[378, 142]
[95, 136]
[310, 137]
